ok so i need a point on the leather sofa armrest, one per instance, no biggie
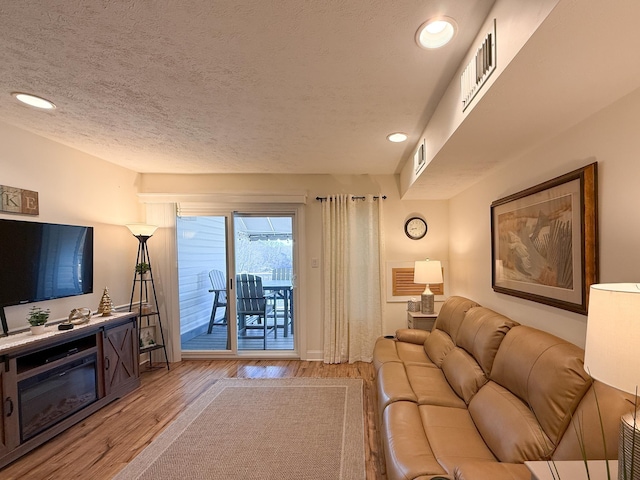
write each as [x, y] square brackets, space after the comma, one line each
[412, 335]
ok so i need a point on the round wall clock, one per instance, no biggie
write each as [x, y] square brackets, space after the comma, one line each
[415, 228]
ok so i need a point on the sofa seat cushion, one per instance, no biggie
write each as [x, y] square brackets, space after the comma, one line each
[508, 426]
[407, 450]
[410, 353]
[431, 387]
[475, 470]
[389, 350]
[393, 385]
[453, 436]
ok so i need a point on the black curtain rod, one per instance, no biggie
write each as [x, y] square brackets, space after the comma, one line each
[384, 197]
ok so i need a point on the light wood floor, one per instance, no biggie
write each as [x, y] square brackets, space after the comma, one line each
[100, 446]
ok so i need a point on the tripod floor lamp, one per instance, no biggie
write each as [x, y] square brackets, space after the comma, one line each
[151, 335]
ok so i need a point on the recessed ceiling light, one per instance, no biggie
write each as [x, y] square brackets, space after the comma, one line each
[397, 137]
[436, 32]
[34, 101]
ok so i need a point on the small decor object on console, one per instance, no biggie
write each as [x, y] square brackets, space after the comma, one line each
[37, 319]
[106, 305]
[79, 316]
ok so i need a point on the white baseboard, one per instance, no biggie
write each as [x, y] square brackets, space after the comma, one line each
[314, 356]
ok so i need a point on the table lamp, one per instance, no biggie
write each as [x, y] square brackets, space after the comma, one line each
[612, 356]
[427, 272]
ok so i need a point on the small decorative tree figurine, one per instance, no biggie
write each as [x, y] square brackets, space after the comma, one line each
[37, 319]
[106, 305]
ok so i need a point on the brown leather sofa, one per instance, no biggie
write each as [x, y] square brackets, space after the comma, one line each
[480, 394]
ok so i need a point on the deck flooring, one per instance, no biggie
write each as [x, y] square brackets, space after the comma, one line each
[217, 340]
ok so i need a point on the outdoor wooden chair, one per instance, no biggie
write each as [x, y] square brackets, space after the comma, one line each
[219, 289]
[281, 274]
[252, 307]
[279, 301]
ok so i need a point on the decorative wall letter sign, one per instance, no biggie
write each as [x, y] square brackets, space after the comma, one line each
[17, 200]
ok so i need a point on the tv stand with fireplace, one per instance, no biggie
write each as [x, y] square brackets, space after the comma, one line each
[52, 381]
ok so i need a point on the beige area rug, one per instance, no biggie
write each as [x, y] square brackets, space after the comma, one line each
[293, 428]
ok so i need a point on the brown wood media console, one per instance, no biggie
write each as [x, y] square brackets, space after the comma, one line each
[52, 381]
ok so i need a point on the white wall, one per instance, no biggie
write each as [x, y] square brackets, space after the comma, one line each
[398, 247]
[609, 137]
[78, 189]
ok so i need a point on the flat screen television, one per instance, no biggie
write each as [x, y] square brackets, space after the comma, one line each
[43, 261]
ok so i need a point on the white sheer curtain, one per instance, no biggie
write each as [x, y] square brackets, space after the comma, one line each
[352, 246]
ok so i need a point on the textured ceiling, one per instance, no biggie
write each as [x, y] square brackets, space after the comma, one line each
[250, 86]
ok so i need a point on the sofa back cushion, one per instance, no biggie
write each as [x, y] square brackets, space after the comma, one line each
[463, 373]
[481, 333]
[437, 346]
[508, 426]
[468, 365]
[545, 372]
[595, 425]
[452, 314]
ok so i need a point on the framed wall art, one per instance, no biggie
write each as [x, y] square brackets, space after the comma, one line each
[544, 241]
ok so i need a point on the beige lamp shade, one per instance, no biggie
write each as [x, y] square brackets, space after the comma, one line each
[142, 229]
[427, 271]
[612, 349]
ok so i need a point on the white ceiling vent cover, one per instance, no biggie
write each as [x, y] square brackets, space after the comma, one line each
[479, 68]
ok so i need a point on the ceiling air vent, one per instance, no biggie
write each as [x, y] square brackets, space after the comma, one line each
[479, 68]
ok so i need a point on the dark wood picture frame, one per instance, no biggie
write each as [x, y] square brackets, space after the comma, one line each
[544, 241]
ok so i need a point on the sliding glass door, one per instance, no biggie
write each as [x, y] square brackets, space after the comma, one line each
[236, 275]
[264, 281]
[203, 286]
